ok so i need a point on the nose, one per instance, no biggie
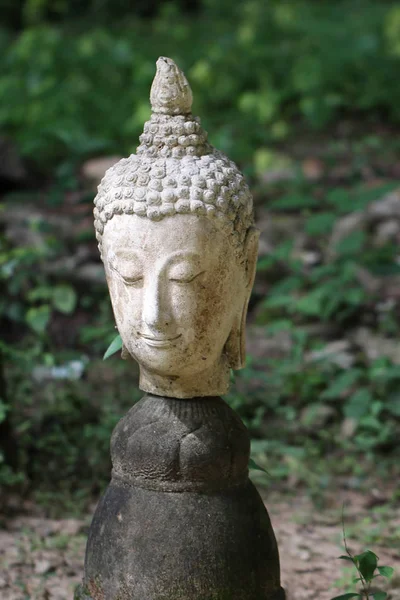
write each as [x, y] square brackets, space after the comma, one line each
[156, 311]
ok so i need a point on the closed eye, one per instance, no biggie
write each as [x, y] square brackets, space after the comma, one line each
[187, 279]
[132, 280]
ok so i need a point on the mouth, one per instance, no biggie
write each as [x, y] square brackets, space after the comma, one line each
[159, 342]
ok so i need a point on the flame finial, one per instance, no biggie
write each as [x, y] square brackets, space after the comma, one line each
[170, 93]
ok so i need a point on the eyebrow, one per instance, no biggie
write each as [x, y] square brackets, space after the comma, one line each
[125, 254]
[181, 254]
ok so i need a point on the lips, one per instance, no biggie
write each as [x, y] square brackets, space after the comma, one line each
[158, 342]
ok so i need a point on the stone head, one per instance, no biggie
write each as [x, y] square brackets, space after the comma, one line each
[175, 229]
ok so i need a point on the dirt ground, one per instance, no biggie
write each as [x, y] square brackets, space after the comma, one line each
[42, 559]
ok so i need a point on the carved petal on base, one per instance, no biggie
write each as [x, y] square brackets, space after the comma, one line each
[176, 445]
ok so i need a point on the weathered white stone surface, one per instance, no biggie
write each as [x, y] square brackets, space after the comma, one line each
[175, 229]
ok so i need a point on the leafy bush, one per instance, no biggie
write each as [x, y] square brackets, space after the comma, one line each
[52, 418]
[262, 74]
[66, 94]
[322, 400]
[366, 565]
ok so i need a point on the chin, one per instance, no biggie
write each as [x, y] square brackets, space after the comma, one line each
[160, 360]
[170, 364]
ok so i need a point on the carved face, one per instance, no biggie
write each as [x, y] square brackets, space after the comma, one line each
[177, 291]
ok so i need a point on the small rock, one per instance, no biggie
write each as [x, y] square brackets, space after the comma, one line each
[370, 283]
[343, 228]
[261, 346]
[71, 526]
[60, 588]
[308, 257]
[72, 371]
[377, 498]
[91, 272]
[348, 428]
[298, 549]
[392, 288]
[313, 169]
[42, 566]
[338, 353]
[316, 415]
[375, 346]
[387, 231]
[278, 175]
[304, 555]
[387, 207]
[386, 305]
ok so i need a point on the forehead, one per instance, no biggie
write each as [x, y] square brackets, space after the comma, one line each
[155, 238]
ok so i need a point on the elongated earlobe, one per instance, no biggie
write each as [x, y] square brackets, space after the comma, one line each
[124, 353]
[235, 347]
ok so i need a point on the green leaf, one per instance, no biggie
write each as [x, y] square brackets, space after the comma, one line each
[386, 571]
[340, 199]
[280, 301]
[115, 345]
[38, 318]
[367, 563]
[354, 295]
[351, 244]
[253, 465]
[392, 404]
[344, 557]
[293, 202]
[279, 325]
[340, 384]
[311, 304]
[347, 596]
[42, 292]
[358, 404]
[320, 224]
[380, 595]
[4, 408]
[64, 298]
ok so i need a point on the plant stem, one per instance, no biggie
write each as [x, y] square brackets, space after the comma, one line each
[363, 582]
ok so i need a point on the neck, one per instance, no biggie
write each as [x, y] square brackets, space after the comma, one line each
[213, 381]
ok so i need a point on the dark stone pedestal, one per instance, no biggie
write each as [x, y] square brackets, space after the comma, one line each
[180, 519]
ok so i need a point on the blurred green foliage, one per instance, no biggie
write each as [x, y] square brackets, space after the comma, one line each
[74, 84]
[256, 67]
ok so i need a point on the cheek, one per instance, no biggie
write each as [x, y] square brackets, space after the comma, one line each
[126, 302]
[184, 302]
[225, 301]
[216, 307]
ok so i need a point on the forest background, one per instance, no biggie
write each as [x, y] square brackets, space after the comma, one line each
[305, 96]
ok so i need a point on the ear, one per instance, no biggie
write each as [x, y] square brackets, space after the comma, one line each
[251, 253]
[124, 353]
[235, 347]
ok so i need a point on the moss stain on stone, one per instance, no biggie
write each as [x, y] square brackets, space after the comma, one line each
[96, 589]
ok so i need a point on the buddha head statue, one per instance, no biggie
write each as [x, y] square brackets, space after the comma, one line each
[175, 230]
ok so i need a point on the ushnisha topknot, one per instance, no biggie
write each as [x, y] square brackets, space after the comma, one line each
[170, 92]
[175, 169]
